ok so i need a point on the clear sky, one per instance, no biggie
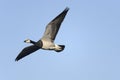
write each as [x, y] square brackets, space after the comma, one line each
[90, 31]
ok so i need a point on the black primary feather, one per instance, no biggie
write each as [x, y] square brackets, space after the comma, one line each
[26, 51]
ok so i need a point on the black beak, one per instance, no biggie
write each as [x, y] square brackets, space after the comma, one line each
[24, 40]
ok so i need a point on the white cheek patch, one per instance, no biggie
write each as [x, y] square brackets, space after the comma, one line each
[27, 41]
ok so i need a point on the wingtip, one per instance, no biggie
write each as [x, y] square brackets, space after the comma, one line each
[67, 8]
[16, 59]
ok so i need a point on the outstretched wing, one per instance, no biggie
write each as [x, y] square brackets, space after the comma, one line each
[26, 51]
[53, 27]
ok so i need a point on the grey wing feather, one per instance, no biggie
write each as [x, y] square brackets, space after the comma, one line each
[26, 51]
[53, 27]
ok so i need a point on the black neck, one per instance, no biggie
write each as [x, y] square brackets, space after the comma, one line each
[33, 42]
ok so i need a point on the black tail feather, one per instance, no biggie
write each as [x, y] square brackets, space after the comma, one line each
[62, 48]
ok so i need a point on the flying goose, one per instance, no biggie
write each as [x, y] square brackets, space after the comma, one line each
[47, 41]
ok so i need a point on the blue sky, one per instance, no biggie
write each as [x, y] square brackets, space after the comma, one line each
[90, 31]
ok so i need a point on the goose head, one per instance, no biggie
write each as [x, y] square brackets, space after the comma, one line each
[27, 41]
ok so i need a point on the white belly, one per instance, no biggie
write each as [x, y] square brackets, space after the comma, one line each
[48, 45]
